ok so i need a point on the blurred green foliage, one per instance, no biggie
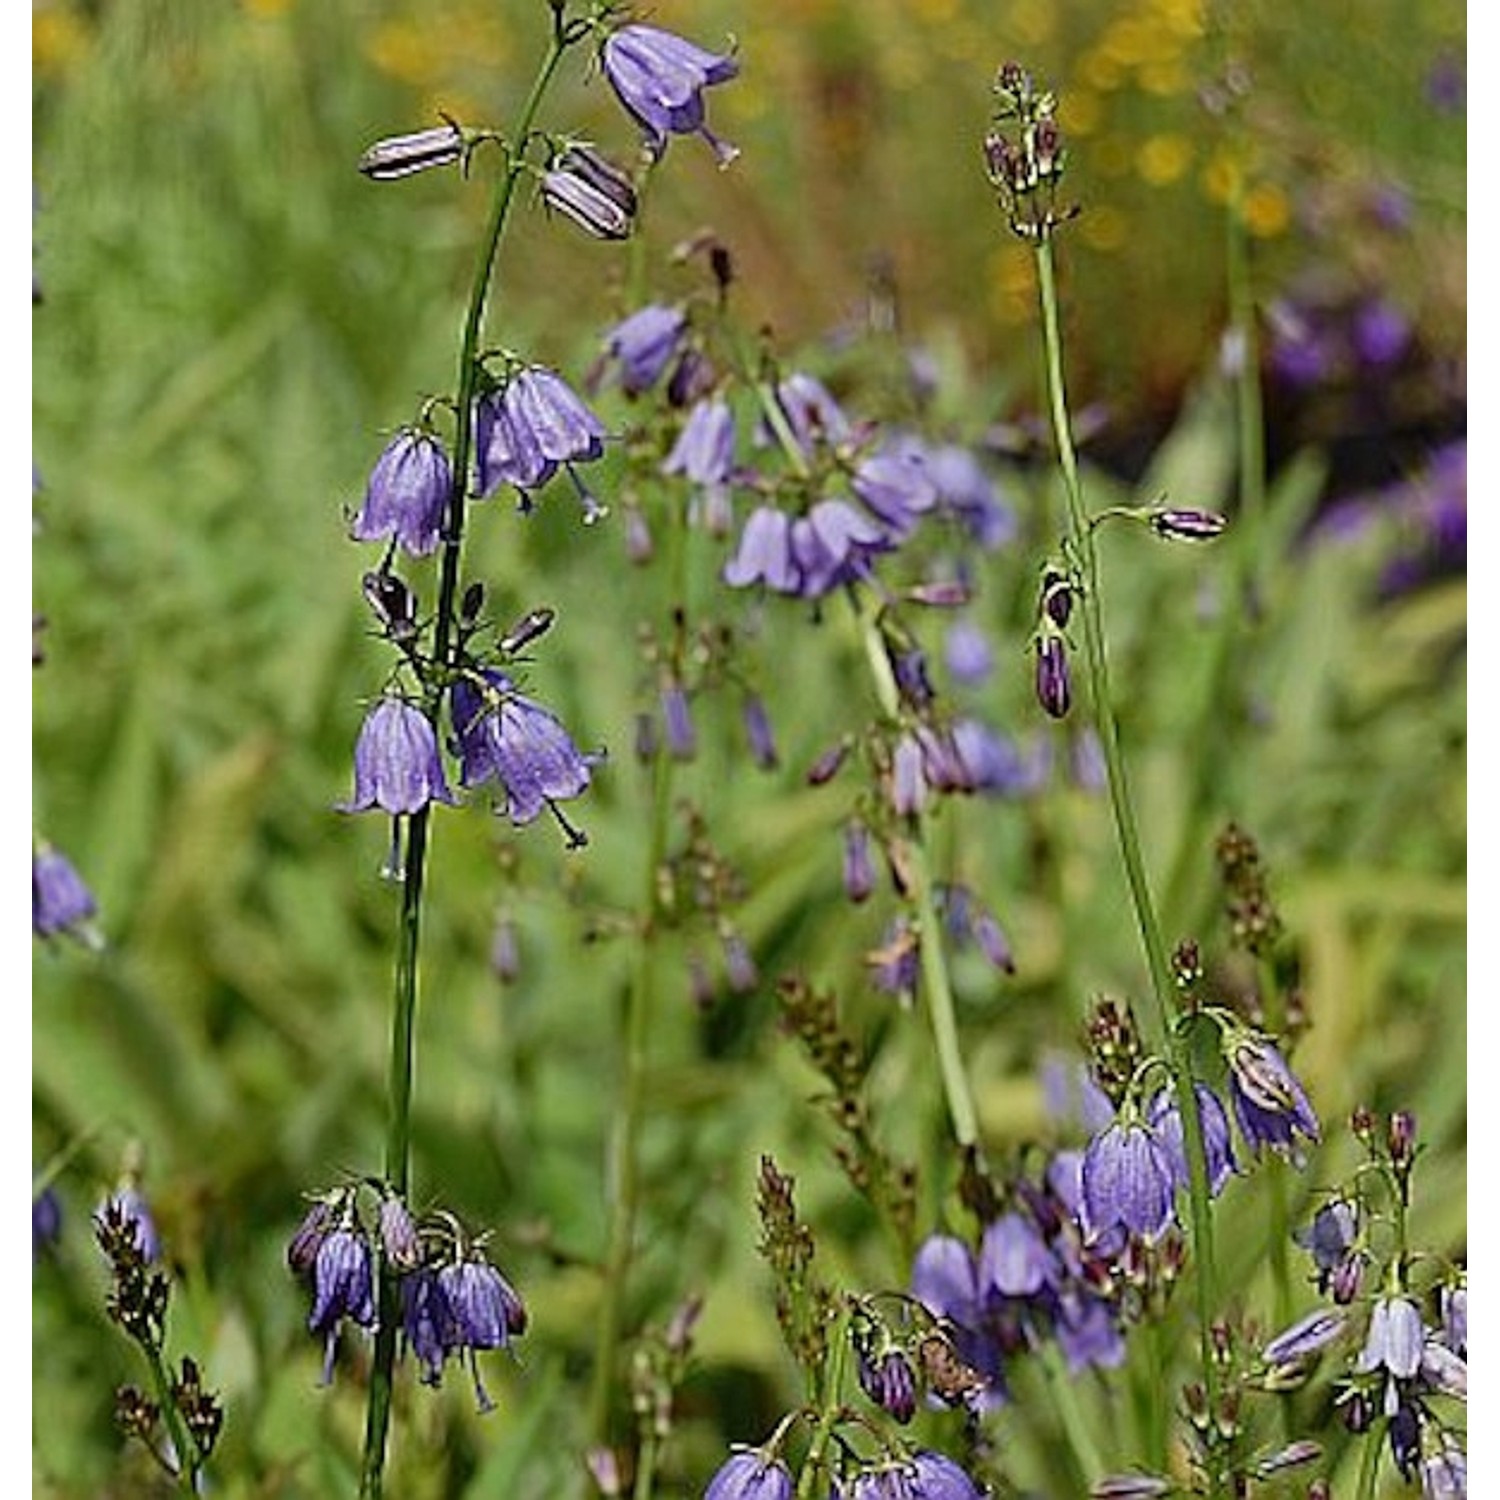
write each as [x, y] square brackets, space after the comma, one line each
[231, 318]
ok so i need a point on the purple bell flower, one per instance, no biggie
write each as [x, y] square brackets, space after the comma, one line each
[1305, 1337]
[46, 1222]
[967, 492]
[343, 1287]
[482, 1311]
[534, 425]
[1445, 1475]
[704, 454]
[643, 344]
[397, 767]
[1087, 1332]
[834, 544]
[1166, 1120]
[811, 412]
[896, 489]
[750, 1475]
[759, 734]
[1269, 1102]
[60, 901]
[1395, 1338]
[1014, 1259]
[407, 495]
[764, 554]
[1330, 1239]
[968, 653]
[859, 872]
[938, 1478]
[660, 78]
[507, 738]
[427, 1323]
[1127, 1181]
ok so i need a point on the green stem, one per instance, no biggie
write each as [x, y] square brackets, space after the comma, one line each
[1369, 1464]
[935, 981]
[184, 1448]
[404, 1003]
[1075, 1425]
[830, 1404]
[1085, 559]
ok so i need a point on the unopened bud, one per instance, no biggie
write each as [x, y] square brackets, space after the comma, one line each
[1187, 525]
[402, 155]
[593, 192]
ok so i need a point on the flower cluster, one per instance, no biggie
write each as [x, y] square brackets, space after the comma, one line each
[453, 1302]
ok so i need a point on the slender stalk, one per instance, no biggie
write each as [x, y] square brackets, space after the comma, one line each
[935, 981]
[1084, 557]
[404, 1003]
[1075, 1424]
[1369, 1465]
[185, 1450]
[830, 1403]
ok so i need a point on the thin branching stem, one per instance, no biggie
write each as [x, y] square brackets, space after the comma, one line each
[1085, 559]
[404, 1004]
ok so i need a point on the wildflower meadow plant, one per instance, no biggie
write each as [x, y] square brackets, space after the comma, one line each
[871, 902]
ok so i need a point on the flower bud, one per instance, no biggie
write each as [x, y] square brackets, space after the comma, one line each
[1187, 525]
[593, 192]
[402, 155]
[1054, 689]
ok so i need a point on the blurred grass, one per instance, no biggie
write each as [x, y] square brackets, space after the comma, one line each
[232, 318]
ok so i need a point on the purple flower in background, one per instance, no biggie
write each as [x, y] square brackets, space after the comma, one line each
[1445, 1475]
[1380, 334]
[939, 1478]
[524, 432]
[1270, 1104]
[1072, 1097]
[965, 489]
[895, 488]
[1301, 354]
[764, 554]
[397, 767]
[46, 1222]
[60, 901]
[128, 1205]
[945, 1279]
[398, 1234]
[834, 544]
[506, 737]
[968, 653]
[1453, 1307]
[811, 412]
[1087, 1332]
[704, 454]
[1394, 1340]
[895, 964]
[750, 1475]
[427, 1323]
[758, 732]
[407, 494]
[660, 78]
[1166, 1120]
[1447, 86]
[1014, 1258]
[859, 873]
[677, 720]
[1127, 1181]
[343, 1287]
[995, 763]
[643, 344]
[1330, 1239]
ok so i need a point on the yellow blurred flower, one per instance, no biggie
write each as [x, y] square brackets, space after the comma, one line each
[1267, 211]
[1032, 21]
[1102, 227]
[58, 38]
[1079, 112]
[1164, 158]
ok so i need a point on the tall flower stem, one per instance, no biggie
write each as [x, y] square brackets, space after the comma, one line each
[404, 1002]
[1084, 557]
[184, 1449]
[935, 981]
[830, 1403]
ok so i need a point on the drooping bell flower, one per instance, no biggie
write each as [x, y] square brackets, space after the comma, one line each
[764, 554]
[343, 1287]
[60, 901]
[750, 1475]
[704, 454]
[397, 765]
[407, 494]
[643, 345]
[1269, 1101]
[1126, 1181]
[483, 1312]
[507, 738]
[529, 429]
[1166, 1119]
[834, 544]
[660, 77]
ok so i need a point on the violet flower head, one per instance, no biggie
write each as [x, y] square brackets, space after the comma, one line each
[399, 156]
[60, 901]
[1014, 1258]
[343, 1287]
[509, 739]
[939, 1478]
[833, 544]
[1445, 1475]
[1395, 1338]
[529, 429]
[1127, 1181]
[397, 766]
[945, 1279]
[427, 1325]
[966, 491]
[1453, 1308]
[758, 732]
[1166, 1120]
[812, 414]
[764, 554]
[1330, 1239]
[968, 653]
[1270, 1104]
[407, 494]
[750, 1475]
[858, 869]
[479, 1310]
[643, 345]
[704, 454]
[896, 489]
[659, 77]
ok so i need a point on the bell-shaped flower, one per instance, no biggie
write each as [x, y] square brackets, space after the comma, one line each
[1126, 1181]
[507, 738]
[1218, 1149]
[343, 1287]
[1269, 1102]
[896, 488]
[407, 494]
[764, 554]
[812, 414]
[528, 429]
[60, 901]
[750, 1475]
[834, 544]
[659, 77]
[1395, 1337]
[397, 765]
[704, 454]
[643, 345]
[1014, 1259]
